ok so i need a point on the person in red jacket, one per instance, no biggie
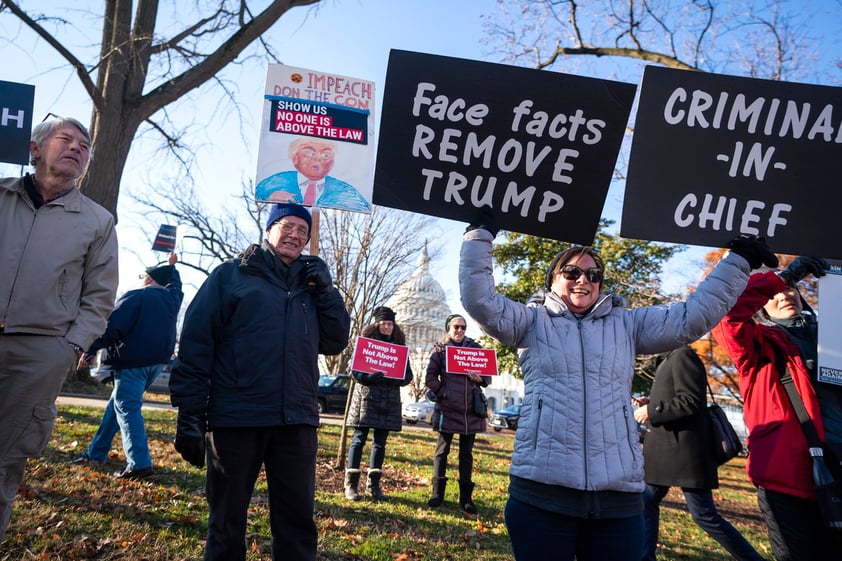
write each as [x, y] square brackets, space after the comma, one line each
[779, 463]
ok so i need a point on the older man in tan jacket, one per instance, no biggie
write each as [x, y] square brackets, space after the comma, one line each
[58, 257]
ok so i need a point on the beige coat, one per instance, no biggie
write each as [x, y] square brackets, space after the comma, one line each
[58, 265]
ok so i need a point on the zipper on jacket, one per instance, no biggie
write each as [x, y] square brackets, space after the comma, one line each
[584, 404]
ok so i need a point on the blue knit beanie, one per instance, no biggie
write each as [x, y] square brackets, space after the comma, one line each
[279, 210]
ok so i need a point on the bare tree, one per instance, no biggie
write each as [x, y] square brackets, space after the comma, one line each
[370, 255]
[211, 237]
[139, 73]
[735, 37]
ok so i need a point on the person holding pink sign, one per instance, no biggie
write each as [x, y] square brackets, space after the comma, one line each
[375, 404]
[454, 414]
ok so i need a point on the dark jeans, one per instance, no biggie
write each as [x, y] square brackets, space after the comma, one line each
[538, 535]
[378, 448]
[466, 455]
[703, 510]
[235, 457]
[795, 528]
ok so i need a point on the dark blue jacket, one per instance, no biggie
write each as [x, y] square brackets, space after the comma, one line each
[248, 353]
[141, 329]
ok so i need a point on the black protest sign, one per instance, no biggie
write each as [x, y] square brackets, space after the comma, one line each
[538, 147]
[16, 101]
[716, 156]
[165, 240]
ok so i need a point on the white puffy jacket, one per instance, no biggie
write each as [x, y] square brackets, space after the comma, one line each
[576, 427]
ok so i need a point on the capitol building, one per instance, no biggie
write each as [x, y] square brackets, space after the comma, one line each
[420, 306]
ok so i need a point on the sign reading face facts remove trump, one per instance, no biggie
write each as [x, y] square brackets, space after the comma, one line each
[716, 156]
[373, 355]
[465, 360]
[538, 147]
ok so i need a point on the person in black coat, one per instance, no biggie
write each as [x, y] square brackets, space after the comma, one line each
[454, 414]
[676, 452]
[375, 404]
[246, 384]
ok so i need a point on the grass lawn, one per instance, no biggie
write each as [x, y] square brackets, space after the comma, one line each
[72, 512]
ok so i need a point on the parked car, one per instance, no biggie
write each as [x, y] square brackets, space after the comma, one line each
[333, 393]
[418, 411]
[505, 418]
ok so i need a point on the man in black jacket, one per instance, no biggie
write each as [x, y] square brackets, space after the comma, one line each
[246, 384]
[676, 452]
[139, 340]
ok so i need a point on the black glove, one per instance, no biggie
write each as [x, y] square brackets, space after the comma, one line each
[754, 250]
[366, 378]
[431, 395]
[190, 437]
[803, 266]
[484, 221]
[316, 275]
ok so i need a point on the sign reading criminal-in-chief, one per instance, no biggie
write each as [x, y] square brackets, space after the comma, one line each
[538, 147]
[16, 101]
[715, 156]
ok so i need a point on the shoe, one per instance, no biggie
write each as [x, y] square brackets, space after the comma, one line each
[140, 473]
[82, 458]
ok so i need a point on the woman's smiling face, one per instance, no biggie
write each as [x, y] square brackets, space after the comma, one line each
[579, 294]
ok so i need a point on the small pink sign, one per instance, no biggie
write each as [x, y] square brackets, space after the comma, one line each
[467, 360]
[373, 355]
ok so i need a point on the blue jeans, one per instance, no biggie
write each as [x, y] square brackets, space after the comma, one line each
[542, 535]
[378, 448]
[122, 412]
[703, 510]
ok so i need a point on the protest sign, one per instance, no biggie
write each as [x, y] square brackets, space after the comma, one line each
[715, 156]
[538, 147]
[468, 360]
[16, 101]
[165, 239]
[316, 137]
[373, 355]
[830, 328]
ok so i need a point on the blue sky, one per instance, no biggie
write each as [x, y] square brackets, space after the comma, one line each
[348, 37]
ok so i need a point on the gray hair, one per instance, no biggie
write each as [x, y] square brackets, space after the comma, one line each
[44, 130]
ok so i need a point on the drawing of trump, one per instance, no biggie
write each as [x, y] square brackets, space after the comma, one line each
[310, 183]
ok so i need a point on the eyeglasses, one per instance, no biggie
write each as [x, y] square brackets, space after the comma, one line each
[458, 327]
[288, 228]
[49, 115]
[572, 273]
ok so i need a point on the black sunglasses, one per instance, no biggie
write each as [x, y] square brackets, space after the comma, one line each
[572, 273]
[458, 327]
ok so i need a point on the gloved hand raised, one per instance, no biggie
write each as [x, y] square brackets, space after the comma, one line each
[316, 275]
[754, 250]
[190, 432]
[803, 266]
[484, 221]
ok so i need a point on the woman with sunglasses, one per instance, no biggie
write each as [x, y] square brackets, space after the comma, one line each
[576, 475]
[454, 414]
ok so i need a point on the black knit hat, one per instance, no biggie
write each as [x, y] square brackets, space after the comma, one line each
[161, 275]
[382, 313]
[450, 318]
[280, 210]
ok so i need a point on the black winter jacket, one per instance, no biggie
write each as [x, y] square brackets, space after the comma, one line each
[141, 329]
[377, 404]
[677, 449]
[454, 394]
[250, 343]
